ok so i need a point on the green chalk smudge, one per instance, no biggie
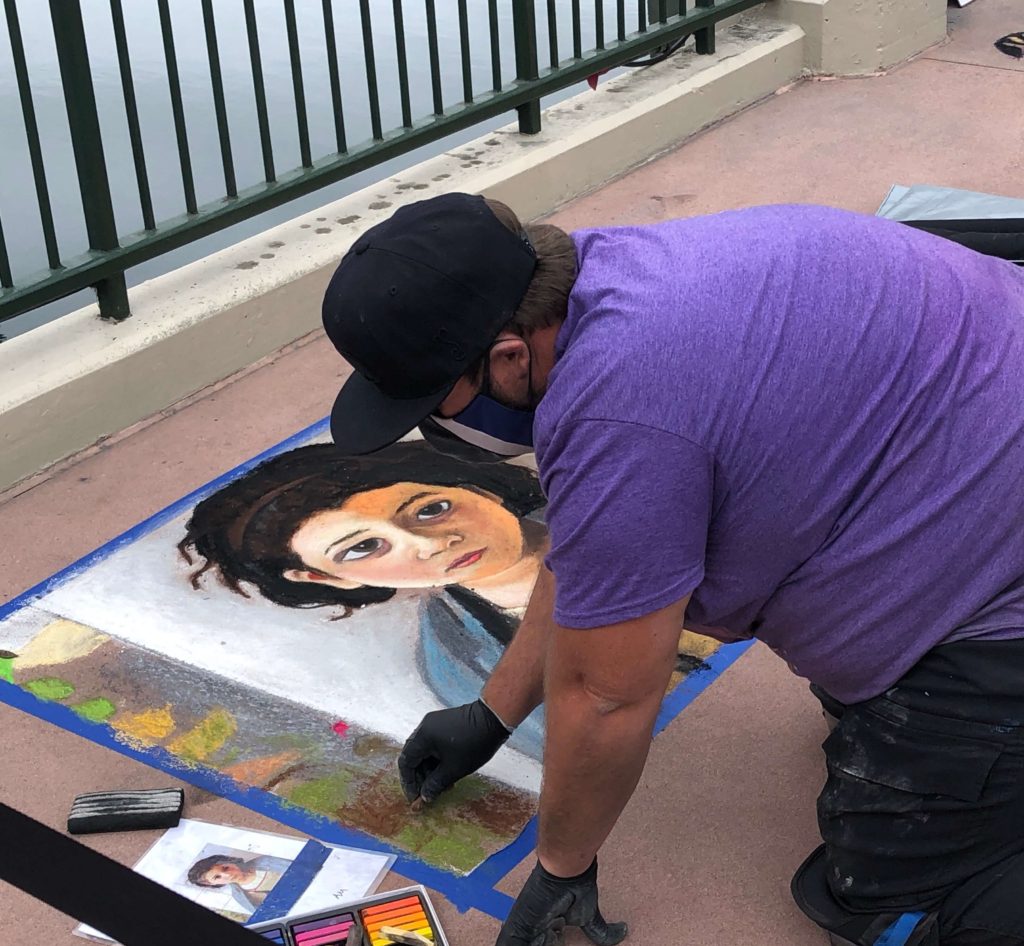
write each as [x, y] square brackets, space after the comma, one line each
[98, 710]
[457, 845]
[50, 688]
[324, 795]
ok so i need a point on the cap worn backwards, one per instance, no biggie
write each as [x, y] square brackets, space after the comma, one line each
[414, 303]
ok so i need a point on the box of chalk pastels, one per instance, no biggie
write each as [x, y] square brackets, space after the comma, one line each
[403, 916]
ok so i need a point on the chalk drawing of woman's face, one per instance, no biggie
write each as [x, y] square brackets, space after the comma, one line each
[409, 535]
[221, 874]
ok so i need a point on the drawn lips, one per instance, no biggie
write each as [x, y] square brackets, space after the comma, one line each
[470, 558]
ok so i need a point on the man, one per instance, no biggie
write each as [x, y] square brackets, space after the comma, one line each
[793, 423]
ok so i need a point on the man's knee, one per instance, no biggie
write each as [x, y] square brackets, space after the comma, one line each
[813, 893]
[987, 909]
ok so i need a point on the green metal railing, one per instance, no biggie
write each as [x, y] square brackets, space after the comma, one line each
[639, 28]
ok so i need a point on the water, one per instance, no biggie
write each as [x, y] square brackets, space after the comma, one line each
[18, 207]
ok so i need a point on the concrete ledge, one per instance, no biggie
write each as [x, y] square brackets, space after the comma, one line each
[852, 37]
[75, 381]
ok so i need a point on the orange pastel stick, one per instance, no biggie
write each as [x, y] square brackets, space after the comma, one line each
[401, 919]
[398, 911]
[391, 905]
[406, 922]
[417, 917]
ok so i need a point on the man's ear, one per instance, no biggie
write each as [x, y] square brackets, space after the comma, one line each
[305, 575]
[510, 352]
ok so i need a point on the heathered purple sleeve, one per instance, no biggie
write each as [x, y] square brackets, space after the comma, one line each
[628, 512]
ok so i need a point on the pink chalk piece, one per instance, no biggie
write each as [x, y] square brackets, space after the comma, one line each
[340, 727]
[327, 936]
[318, 925]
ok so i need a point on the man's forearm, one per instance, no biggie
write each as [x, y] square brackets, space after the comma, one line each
[516, 686]
[592, 763]
[602, 691]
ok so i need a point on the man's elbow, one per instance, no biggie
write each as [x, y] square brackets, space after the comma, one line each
[604, 698]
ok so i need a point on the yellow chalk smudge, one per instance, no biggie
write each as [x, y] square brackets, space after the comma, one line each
[200, 742]
[697, 645]
[149, 727]
[59, 642]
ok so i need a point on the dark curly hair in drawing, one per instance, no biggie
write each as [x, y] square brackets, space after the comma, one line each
[200, 869]
[244, 530]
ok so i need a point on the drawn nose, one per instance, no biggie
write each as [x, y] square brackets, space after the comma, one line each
[429, 546]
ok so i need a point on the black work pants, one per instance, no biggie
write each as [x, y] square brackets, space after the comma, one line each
[923, 807]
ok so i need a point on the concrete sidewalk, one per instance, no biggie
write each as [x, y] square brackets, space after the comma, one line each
[725, 810]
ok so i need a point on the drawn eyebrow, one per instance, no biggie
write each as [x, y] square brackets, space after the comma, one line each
[413, 499]
[344, 538]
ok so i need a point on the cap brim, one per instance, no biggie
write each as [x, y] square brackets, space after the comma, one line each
[364, 420]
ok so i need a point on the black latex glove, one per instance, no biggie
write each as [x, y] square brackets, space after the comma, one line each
[548, 904]
[448, 745]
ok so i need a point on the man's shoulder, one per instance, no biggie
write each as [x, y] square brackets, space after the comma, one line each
[775, 218]
[701, 257]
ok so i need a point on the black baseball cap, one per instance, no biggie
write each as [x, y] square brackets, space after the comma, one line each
[413, 304]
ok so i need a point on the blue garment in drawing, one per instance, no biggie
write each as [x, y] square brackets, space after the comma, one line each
[458, 652]
[268, 870]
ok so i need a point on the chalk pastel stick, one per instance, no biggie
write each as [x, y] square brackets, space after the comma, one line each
[395, 919]
[334, 934]
[390, 905]
[322, 922]
[323, 931]
[398, 911]
[410, 923]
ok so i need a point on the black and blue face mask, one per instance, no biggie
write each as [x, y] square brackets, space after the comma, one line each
[489, 425]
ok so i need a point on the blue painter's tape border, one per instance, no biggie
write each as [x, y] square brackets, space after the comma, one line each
[696, 682]
[475, 890]
[292, 884]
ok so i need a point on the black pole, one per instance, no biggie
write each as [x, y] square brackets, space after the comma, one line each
[107, 896]
[524, 28]
[87, 143]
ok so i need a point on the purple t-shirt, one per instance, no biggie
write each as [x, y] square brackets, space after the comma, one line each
[812, 420]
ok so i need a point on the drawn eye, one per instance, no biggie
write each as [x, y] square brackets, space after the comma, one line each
[434, 510]
[362, 550]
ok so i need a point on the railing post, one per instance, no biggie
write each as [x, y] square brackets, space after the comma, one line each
[87, 143]
[524, 28]
[705, 38]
